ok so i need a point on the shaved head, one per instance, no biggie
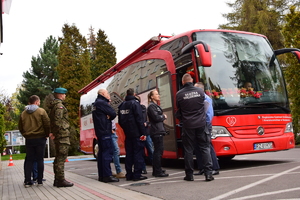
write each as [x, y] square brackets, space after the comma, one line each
[186, 78]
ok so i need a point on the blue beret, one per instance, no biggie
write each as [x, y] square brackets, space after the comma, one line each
[60, 90]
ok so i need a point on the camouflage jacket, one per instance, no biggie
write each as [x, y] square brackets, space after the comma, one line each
[59, 121]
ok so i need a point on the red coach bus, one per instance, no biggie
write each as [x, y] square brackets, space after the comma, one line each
[245, 121]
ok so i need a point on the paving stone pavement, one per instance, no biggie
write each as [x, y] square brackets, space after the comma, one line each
[12, 178]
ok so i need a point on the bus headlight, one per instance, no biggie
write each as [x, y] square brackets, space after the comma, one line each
[289, 127]
[219, 131]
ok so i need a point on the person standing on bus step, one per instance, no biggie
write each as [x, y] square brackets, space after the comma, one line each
[103, 114]
[190, 105]
[116, 152]
[209, 116]
[34, 125]
[149, 143]
[157, 132]
[131, 120]
[60, 133]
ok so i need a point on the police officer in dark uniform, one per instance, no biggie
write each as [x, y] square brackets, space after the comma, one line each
[131, 120]
[61, 135]
[190, 105]
[103, 114]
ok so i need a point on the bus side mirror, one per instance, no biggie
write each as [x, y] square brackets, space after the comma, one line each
[203, 55]
[297, 54]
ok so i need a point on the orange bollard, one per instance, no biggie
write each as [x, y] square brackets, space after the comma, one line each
[11, 163]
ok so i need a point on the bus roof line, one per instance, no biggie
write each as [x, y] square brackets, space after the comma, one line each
[119, 66]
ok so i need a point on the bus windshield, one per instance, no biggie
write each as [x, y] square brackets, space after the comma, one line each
[244, 74]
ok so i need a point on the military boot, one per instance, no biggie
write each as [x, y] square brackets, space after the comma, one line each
[63, 183]
[55, 183]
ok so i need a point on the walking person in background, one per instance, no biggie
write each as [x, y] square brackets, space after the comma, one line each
[103, 114]
[116, 152]
[34, 125]
[149, 143]
[131, 120]
[60, 133]
[157, 132]
[209, 116]
[190, 105]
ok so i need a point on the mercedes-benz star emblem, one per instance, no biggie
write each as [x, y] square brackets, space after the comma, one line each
[260, 130]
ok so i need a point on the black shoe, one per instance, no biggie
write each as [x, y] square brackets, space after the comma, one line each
[161, 175]
[63, 183]
[188, 178]
[144, 171]
[28, 184]
[109, 179]
[140, 178]
[209, 177]
[215, 172]
[163, 171]
[201, 172]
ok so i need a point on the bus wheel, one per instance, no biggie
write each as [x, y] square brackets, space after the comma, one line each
[226, 158]
[95, 149]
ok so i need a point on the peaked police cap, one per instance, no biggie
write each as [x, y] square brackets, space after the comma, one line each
[60, 90]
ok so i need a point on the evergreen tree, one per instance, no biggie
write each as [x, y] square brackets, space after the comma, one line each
[291, 32]
[2, 128]
[74, 73]
[259, 16]
[74, 68]
[42, 78]
[103, 53]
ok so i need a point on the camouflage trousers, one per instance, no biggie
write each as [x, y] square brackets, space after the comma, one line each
[61, 155]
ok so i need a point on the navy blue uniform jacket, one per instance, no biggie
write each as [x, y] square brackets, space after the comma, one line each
[131, 117]
[101, 110]
[190, 105]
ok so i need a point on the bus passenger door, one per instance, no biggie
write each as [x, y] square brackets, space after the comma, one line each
[164, 87]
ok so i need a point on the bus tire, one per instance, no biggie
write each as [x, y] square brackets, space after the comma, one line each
[95, 148]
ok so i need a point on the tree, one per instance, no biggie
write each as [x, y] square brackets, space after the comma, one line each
[10, 112]
[291, 32]
[103, 53]
[74, 73]
[2, 128]
[259, 16]
[42, 78]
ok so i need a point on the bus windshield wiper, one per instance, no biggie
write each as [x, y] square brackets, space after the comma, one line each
[222, 112]
[270, 104]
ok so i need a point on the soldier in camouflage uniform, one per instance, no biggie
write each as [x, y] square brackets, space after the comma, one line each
[61, 135]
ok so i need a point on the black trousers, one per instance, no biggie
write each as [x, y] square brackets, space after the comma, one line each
[158, 144]
[213, 155]
[35, 151]
[134, 148]
[200, 138]
[104, 156]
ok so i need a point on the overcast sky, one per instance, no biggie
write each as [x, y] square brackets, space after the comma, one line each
[127, 24]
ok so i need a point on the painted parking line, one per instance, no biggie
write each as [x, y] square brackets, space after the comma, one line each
[253, 184]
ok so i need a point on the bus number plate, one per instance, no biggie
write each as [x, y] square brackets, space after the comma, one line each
[260, 146]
